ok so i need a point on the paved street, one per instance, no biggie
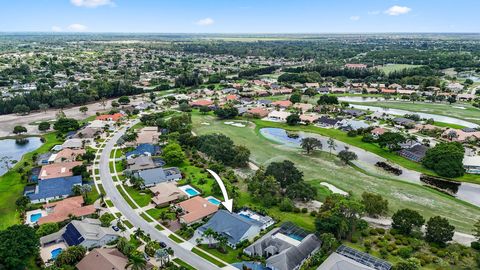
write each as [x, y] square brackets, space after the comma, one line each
[137, 221]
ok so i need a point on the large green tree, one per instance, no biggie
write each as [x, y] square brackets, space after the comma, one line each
[405, 220]
[17, 244]
[309, 144]
[66, 124]
[439, 230]
[285, 173]
[375, 204]
[446, 159]
[173, 154]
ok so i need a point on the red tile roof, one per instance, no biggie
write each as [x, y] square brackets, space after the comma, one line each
[110, 117]
[61, 210]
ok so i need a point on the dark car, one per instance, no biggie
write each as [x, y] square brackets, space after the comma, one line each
[163, 245]
[115, 228]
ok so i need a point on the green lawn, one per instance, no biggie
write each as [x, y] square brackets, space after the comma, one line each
[156, 212]
[396, 67]
[158, 227]
[11, 184]
[207, 257]
[183, 264]
[194, 174]
[124, 195]
[175, 238]
[229, 257]
[142, 198]
[127, 223]
[109, 203]
[321, 167]
[144, 216]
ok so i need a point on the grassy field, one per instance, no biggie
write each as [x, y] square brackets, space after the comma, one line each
[183, 264]
[395, 67]
[175, 238]
[141, 198]
[321, 167]
[11, 184]
[230, 256]
[462, 111]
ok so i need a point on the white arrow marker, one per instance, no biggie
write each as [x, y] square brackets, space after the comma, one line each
[228, 203]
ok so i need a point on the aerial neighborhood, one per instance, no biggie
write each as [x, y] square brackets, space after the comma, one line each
[281, 152]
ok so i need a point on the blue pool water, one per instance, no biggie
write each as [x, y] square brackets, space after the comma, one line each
[245, 216]
[55, 253]
[35, 217]
[191, 191]
[214, 201]
[250, 265]
[296, 237]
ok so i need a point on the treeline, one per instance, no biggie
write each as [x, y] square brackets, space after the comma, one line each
[257, 71]
[337, 71]
[95, 91]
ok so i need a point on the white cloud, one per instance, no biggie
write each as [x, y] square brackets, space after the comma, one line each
[56, 28]
[397, 10]
[374, 12]
[355, 18]
[205, 22]
[76, 27]
[92, 3]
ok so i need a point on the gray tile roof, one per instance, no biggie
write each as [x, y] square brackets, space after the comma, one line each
[295, 255]
[159, 175]
[231, 225]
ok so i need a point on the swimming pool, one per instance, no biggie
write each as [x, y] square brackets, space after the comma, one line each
[56, 252]
[250, 265]
[213, 201]
[296, 237]
[189, 190]
[35, 217]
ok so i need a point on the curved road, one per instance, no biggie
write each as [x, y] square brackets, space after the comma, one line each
[137, 221]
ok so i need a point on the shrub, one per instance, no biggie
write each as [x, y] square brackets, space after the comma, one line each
[354, 239]
[373, 232]
[388, 237]
[313, 213]
[380, 230]
[296, 210]
[304, 210]
[475, 245]
[391, 247]
[434, 250]
[405, 241]
[441, 253]
[405, 252]
[365, 233]
[383, 253]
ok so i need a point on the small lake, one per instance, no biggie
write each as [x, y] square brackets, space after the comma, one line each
[464, 191]
[9, 148]
[436, 117]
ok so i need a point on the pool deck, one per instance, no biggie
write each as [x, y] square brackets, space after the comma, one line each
[46, 252]
[33, 212]
[184, 189]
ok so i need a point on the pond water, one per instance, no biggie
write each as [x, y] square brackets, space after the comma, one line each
[465, 191]
[436, 117]
[9, 148]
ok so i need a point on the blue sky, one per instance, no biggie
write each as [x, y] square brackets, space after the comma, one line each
[240, 16]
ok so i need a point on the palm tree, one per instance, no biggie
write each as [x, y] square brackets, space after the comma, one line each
[210, 235]
[136, 262]
[331, 144]
[138, 232]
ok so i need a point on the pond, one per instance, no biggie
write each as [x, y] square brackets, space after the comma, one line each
[10, 148]
[464, 191]
[436, 117]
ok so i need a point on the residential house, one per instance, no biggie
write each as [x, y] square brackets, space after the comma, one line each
[201, 103]
[62, 210]
[326, 121]
[353, 112]
[278, 116]
[461, 135]
[105, 259]
[66, 155]
[195, 209]
[43, 159]
[311, 85]
[144, 149]
[309, 118]
[349, 124]
[52, 188]
[415, 153]
[266, 221]
[282, 104]
[258, 112]
[264, 102]
[76, 143]
[155, 176]
[234, 227]
[110, 117]
[346, 258]
[376, 132]
[87, 232]
[148, 135]
[471, 162]
[408, 123]
[58, 170]
[303, 107]
[166, 193]
[143, 163]
[285, 248]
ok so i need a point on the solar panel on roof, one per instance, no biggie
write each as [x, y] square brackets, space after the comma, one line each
[72, 236]
[363, 258]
